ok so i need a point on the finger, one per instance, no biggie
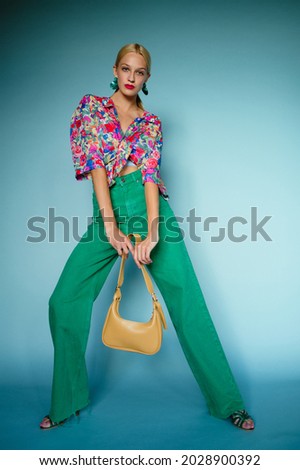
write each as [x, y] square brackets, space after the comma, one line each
[122, 251]
[143, 258]
[139, 253]
[130, 247]
[149, 260]
[135, 256]
[146, 252]
[144, 255]
[137, 263]
[125, 249]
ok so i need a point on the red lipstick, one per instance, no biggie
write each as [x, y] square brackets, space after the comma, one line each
[130, 87]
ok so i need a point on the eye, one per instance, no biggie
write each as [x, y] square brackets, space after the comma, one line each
[141, 73]
[124, 69]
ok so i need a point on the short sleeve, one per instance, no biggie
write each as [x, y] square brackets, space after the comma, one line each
[151, 167]
[84, 140]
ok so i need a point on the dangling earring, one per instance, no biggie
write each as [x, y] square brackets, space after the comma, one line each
[145, 89]
[114, 84]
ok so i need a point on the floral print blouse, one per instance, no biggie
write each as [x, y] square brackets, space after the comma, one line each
[97, 141]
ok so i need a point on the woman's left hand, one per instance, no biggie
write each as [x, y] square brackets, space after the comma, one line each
[142, 251]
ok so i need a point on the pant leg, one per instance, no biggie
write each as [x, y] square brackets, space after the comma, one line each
[70, 308]
[175, 277]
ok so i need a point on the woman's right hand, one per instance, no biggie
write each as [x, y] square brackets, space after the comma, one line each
[119, 240]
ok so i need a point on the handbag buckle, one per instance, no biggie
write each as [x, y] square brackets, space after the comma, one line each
[154, 297]
[117, 289]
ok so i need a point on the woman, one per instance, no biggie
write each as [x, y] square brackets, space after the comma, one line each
[117, 144]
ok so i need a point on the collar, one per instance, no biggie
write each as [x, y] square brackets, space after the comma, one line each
[108, 103]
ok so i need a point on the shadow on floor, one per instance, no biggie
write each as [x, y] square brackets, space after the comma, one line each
[135, 416]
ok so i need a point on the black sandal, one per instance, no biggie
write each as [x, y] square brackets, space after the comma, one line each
[52, 424]
[239, 417]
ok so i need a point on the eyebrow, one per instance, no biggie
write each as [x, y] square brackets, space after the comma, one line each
[139, 68]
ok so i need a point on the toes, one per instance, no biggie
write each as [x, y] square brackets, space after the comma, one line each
[46, 422]
[248, 424]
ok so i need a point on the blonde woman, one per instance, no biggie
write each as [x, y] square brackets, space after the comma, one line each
[117, 144]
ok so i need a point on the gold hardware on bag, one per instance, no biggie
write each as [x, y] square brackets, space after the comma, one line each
[128, 335]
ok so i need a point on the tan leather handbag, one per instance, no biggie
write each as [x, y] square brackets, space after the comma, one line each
[128, 335]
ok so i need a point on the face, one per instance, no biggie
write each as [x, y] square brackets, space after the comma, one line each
[132, 70]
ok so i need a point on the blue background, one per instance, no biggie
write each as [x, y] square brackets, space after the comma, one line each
[225, 83]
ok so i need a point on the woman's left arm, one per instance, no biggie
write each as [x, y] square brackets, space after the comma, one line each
[142, 250]
[150, 174]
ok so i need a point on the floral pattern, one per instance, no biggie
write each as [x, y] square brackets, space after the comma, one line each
[97, 141]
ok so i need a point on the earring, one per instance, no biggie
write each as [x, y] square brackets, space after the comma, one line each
[114, 84]
[145, 89]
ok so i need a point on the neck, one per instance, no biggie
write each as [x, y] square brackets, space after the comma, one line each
[123, 102]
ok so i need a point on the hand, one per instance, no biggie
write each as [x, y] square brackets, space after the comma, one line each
[119, 240]
[142, 251]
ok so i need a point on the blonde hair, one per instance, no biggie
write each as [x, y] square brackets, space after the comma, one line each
[139, 49]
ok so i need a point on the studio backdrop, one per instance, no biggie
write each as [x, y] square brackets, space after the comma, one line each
[225, 84]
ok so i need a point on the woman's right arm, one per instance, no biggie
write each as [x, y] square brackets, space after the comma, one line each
[87, 157]
[114, 235]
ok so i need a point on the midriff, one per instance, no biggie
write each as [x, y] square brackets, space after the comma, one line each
[128, 169]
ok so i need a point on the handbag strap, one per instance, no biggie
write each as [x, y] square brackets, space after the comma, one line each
[147, 278]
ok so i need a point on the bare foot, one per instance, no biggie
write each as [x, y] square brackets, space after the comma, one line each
[47, 423]
[242, 420]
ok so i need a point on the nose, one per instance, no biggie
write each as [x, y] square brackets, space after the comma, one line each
[131, 77]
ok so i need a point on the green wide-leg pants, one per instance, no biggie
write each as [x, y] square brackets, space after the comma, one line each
[82, 278]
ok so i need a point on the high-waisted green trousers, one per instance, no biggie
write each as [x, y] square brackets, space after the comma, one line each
[81, 280]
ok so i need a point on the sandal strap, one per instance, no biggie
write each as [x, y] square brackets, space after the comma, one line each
[239, 417]
[52, 423]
